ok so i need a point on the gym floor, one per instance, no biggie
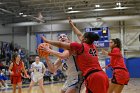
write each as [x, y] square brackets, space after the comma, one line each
[132, 87]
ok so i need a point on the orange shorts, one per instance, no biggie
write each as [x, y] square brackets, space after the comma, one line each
[16, 79]
[120, 76]
[97, 83]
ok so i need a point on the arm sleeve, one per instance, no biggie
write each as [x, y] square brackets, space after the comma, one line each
[115, 52]
[76, 47]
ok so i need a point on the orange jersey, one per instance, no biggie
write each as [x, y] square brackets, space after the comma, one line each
[87, 60]
[116, 59]
[17, 68]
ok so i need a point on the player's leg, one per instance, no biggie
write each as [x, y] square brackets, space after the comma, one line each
[14, 83]
[30, 86]
[14, 87]
[40, 82]
[62, 91]
[111, 87]
[19, 87]
[71, 90]
[118, 88]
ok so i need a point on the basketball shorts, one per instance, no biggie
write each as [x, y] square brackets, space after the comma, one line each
[16, 79]
[36, 77]
[97, 82]
[120, 76]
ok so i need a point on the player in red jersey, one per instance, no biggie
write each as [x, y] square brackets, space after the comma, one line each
[16, 68]
[120, 72]
[87, 60]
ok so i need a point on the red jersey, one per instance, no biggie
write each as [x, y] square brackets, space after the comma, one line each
[86, 57]
[116, 59]
[17, 68]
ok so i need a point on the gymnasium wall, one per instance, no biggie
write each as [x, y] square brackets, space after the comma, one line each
[131, 29]
[16, 34]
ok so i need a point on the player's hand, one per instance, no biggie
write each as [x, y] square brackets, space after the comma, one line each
[46, 49]
[11, 73]
[104, 52]
[27, 76]
[71, 23]
[44, 39]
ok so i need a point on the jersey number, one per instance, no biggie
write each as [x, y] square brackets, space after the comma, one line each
[92, 52]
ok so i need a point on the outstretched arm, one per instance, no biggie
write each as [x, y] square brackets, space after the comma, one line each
[75, 29]
[115, 52]
[57, 43]
[24, 70]
[63, 55]
[53, 67]
[44, 69]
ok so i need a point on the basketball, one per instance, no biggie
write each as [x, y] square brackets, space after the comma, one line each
[42, 52]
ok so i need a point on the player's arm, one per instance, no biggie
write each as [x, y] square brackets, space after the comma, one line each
[44, 68]
[59, 44]
[24, 70]
[31, 69]
[63, 55]
[53, 67]
[10, 68]
[115, 52]
[76, 30]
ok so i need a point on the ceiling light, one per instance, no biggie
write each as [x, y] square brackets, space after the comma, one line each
[118, 4]
[97, 6]
[24, 15]
[20, 13]
[69, 8]
[99, 9]
[73, 12]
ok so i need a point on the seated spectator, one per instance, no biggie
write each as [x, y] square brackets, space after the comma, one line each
[3, 79]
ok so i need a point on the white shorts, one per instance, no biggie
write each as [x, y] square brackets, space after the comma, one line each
[36, 77]
[72, 81]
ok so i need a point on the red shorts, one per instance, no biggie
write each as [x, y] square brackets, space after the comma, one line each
[16, 79]
[97, 83]
[120, 76]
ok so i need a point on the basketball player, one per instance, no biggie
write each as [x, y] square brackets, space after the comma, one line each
[120, 72]
[74, 80]
[38, 70]
[96, 80]
[16, 68]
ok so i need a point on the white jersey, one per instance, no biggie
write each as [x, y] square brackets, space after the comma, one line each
[37, 68]
[72, 68]
[74, 78]
[37, 73]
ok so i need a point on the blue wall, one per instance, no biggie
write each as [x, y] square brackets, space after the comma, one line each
[133, 65]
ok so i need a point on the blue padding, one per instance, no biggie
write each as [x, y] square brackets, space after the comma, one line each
[133, 65]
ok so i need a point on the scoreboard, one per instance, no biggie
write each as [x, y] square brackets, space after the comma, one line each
[104, 34]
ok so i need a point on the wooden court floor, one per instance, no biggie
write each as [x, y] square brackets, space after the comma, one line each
[132, 87]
